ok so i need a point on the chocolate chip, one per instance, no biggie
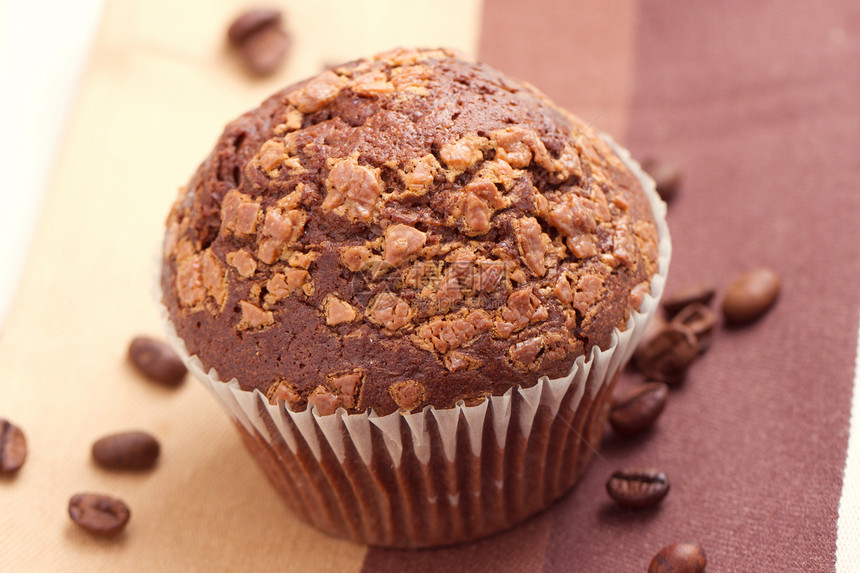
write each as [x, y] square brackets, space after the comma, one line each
[667, 177]
[638, 488]
[126, 451]
[638, 408]
[156, 360]
[98, 514]
[667, 356]
[679, 558]
[13, 447]
[678, 300]
[750, 296]
[260, 40]
[701, 320]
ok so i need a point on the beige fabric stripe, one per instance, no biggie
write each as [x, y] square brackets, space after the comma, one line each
[157, 92]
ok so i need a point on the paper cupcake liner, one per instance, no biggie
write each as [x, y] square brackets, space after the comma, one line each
[439, 476]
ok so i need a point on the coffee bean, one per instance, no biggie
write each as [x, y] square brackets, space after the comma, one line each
[156, 360]
[679, 558]
[638, 488]
[667, 177]
[263, 51]
[13, 447]
[250, 22]
[260, 40]
[655, 327]
[638, 408]
[701, 320]
[750, 296]
[680, 299]
[98, 514]
[667, 356]
[126, 451]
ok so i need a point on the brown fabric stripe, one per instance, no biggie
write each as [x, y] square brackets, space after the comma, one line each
[597, 85]
[759, 105]
[580, 53]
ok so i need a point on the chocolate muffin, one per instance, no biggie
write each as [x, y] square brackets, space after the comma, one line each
[400, 236]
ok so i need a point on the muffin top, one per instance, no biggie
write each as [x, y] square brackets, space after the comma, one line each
[405, 230]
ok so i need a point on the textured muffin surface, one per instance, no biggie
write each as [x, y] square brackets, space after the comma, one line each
[405, 230]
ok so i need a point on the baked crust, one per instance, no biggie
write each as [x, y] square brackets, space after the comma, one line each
[409, 229]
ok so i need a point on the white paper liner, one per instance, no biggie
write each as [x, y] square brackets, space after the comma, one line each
[340, 433]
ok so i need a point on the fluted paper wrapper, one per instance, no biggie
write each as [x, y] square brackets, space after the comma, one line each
[439, 476]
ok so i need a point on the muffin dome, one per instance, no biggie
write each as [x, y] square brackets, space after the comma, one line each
[407, 230]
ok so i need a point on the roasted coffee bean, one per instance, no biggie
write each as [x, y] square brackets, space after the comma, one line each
[638, 488]
[156, 360]
[655, 326]
[638, 408]
[98, 514]
[750, 296]
[263, 51]
[701, 320]
[667, 356]
[13, 447]
[126, 451]
[250, 22]
[679, 558]
[678, 300]
[667, 177]
[260, 40]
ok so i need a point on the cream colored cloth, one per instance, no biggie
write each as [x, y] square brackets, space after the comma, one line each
[159, 89]
[848, 525]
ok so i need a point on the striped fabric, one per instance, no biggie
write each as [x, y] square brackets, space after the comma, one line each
[757, 101]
